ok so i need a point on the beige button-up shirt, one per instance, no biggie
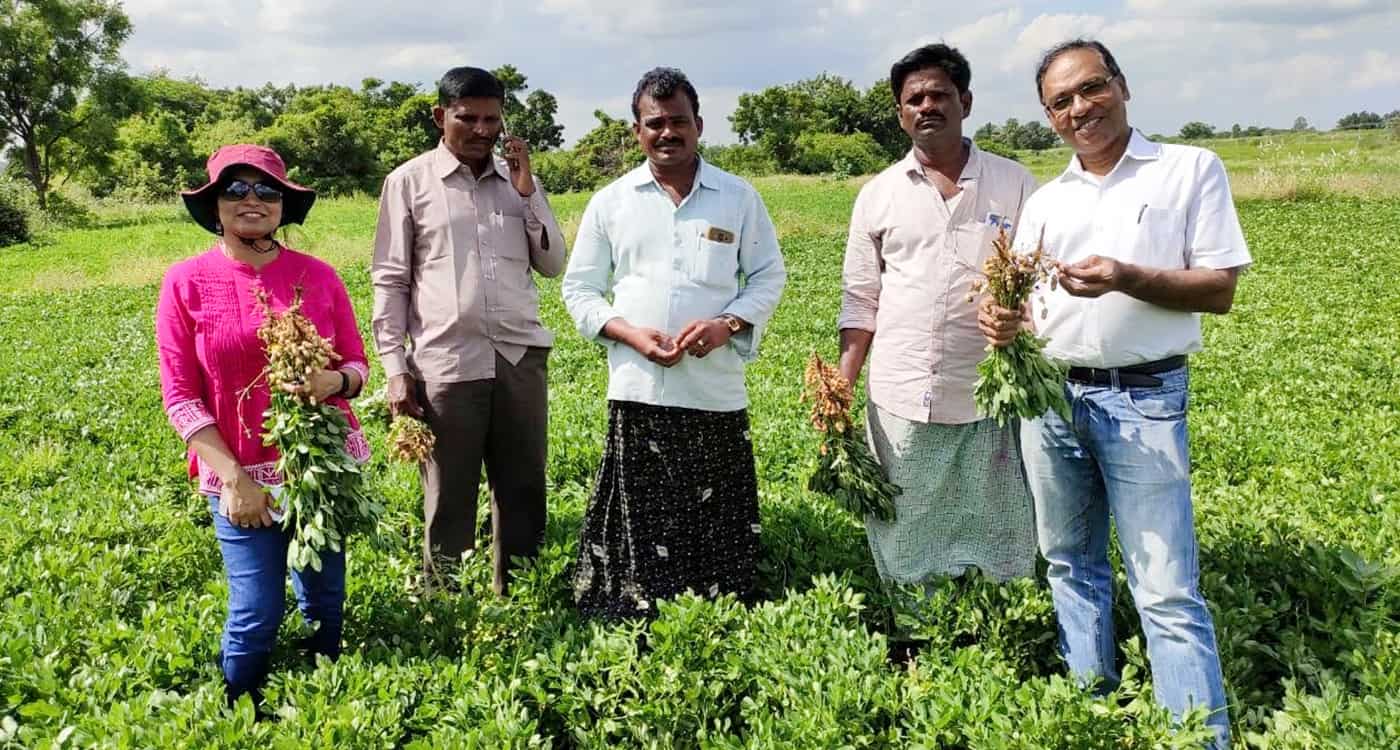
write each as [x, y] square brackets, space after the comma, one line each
[910, 262]
[452, 269]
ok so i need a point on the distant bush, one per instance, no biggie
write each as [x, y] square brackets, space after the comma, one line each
[748, 160]
[564, 172]
[998, 148]
[840, 154]
[1196, 130]
[14, 214]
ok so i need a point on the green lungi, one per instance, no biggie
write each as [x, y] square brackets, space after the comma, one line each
[965, 502]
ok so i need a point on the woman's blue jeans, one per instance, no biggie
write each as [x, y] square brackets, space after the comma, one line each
[255, 563]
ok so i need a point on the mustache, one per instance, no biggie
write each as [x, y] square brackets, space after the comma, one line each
[930, 119]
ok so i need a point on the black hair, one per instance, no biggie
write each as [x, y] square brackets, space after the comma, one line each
[1054, 52]
[940, 56]
[663, 83]
[466, 82]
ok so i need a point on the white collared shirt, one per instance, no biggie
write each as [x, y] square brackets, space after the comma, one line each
[665, 266]
[1162, 206]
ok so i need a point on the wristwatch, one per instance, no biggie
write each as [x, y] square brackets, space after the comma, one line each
[732, 323]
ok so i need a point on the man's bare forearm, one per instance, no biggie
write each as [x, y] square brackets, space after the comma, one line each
[855, 346]
[1209, 290]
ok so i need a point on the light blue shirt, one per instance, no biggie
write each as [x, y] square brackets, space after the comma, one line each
[665, 266]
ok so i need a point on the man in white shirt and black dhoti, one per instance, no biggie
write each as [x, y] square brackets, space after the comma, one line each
[691, 261]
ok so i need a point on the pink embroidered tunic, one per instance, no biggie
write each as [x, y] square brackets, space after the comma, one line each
[206, 335]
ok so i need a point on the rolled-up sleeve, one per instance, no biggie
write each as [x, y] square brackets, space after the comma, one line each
[860, 273]
[589, 277]
[1213, 234]
[547, 249]
[761, 263]
[392, 274]
[181, 380]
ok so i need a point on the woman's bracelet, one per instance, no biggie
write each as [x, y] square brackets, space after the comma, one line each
[344, 391]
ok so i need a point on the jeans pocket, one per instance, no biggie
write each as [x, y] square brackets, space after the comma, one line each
[1166, 402]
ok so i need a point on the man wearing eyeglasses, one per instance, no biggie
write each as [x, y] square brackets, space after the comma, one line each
[1147, 239]
[456, 319]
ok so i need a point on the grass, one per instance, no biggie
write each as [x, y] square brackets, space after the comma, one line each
[114, 590]
[1359, 163]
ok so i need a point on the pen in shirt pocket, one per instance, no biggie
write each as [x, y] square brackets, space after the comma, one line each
[1140, 212]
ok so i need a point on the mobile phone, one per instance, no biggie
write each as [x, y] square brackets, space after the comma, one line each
[501, 145]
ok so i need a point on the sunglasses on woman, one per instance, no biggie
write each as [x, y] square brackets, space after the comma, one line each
[238, 190]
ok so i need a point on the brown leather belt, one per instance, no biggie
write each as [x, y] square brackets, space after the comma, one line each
[1136, 376]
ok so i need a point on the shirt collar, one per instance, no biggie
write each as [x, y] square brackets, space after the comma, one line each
[971, 171]
[706, 176]
[445, 163]
[1139, 149]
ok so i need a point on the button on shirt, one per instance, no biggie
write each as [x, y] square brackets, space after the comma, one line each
[910, 262]
[453, 256]
[665, 266]
[1162, 206]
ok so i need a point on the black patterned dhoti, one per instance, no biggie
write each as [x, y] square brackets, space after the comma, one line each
[675, 508]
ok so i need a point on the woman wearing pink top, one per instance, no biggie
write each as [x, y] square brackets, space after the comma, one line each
[211, 367]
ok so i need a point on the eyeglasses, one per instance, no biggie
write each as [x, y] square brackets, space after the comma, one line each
[1093, 90]
[238, 190]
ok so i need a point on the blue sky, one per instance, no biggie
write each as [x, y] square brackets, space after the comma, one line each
[1247, 61]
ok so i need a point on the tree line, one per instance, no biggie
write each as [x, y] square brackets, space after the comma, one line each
[70, 113]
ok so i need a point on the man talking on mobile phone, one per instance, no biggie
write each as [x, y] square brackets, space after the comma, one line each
[456, 321]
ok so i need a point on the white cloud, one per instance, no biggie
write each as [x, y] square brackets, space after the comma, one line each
[1044, 32]
[1377, 69]
[658, 18]
[1294, 77]
[1247, 61]
[1284, 12]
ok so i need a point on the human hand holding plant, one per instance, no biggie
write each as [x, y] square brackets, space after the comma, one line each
[318, 386]
[324, 498]
[244, 502]
[400, 397]
[1015, 379]
[846, 471]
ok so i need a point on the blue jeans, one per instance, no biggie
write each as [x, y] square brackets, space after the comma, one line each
[255, 563]
[1125, 454]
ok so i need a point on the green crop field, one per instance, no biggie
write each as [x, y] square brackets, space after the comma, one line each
[113, 593]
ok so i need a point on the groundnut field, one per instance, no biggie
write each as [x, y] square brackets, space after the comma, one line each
[114, 596]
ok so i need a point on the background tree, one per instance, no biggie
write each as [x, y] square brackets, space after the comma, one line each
[1362, 120]
[1301, 124]
[533, 118]
[1195, 131]
[1035, 136]
[329, 141]
[880, 118]
[776, 117]
[1012, 135]
[51, 51]
[773, 119]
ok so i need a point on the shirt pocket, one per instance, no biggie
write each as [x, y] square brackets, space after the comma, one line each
[716, 263]
[510, 238]
[1161, 238]
[511, 260]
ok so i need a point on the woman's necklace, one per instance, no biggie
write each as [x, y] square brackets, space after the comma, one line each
[271, 246]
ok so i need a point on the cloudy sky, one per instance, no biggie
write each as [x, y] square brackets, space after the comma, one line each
[1243, 61]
